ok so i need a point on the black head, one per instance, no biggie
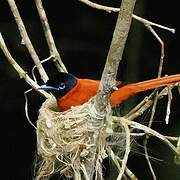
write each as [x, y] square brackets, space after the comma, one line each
[60, 84]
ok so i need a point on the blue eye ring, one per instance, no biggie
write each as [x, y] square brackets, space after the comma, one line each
[62, 86]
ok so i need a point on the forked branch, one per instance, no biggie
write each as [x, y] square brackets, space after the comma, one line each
[49, 38]
[26, 40]
[20, 71]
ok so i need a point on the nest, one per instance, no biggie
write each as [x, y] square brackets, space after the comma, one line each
[69, 144]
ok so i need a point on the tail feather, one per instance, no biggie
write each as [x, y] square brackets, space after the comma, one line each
[125, 92]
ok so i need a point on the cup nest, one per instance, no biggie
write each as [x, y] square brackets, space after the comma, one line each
[68, 144]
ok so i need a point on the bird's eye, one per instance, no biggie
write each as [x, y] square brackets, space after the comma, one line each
[62, 85]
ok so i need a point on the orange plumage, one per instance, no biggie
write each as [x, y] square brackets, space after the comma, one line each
[81, 90]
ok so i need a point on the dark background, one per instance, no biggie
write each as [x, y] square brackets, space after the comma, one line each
[83, 36]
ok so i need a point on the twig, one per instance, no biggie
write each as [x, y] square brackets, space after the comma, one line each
[137, 134]
[26, 40]
[146, 105]
[141, 110]
[161, 62]
[172, 138]
[114, 56]
[149, 27]
[137, 107]
[142, 103]
[147, 130]
[100, 7]
[114, 158]
[159, 71]
[84, 171]
[49, 38]
[112, 9]
[130, 174]
[20, 71]
[148, 160]
[117, 161]
[147, 136]
[168, 109]
[145, 22]
[127, 151]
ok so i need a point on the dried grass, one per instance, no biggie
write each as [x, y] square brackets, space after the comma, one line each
[69, 144]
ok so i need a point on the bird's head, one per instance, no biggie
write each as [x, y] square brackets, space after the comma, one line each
[60, 84]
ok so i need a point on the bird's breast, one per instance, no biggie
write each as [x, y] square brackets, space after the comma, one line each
[79, 94]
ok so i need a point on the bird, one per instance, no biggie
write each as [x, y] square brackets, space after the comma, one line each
[72, 91]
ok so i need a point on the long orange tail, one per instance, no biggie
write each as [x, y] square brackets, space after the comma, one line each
[131, 89]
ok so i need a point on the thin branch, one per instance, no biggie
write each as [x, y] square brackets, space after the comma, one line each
[113, 157]
[20, 71]
[100, 7]
[148, 160]
[127, 151]
[147, 130]
[141, 104]
[161, 62]
[146, 22]
[171, 138]
[130, 174]
[112, 9]
[149, 27]
[168, 109]
[26, 40]
[148, 103]
[141, 110]
[153, 110]
[49, 38]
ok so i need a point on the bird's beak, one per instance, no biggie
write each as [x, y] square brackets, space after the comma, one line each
[47, 88]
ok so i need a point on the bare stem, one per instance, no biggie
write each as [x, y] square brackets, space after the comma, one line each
[145, 22]
[141, 110]
[127, 151]
[49, 38]
[171, 138]
[148, 131]
[18, 68]
[113, 9]
[26, 40]
[161, 62]
[149, 27]
[168, 109]
[148, 160]
[130, 174]
[137, 107]
[145, 104]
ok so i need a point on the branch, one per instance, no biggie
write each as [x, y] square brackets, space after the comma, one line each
[145, 104]
[49, 38]
[148, 160]
[114, 56]
[127, 151]
[21, 72]
[130, 174]
[148, 131]
[112, 9]
[168, 109]
[26, 40]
